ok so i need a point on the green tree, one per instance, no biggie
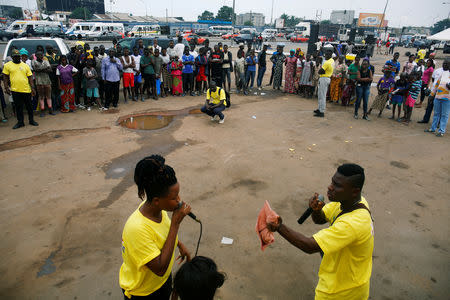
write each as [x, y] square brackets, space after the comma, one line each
[81, 13]
[290, 21]
[440, 25]
[248, 23]
[225, 13]
[206, 15]
[325, 22]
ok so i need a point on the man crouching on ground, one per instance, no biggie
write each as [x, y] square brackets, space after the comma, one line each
[215, 102]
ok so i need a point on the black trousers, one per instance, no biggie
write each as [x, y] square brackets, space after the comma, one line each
[430, 106]
[101, 89]
[21, 99]
[162, 294]
[188, 82]
[111, 93]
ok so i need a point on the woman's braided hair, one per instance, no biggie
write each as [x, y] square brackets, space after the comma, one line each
[153, 177]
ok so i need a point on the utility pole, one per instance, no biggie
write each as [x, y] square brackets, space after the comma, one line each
[233, 19]
[271, 13]
[382, 18]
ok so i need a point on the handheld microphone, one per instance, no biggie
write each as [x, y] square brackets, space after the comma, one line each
[308, 212]
[189, 214]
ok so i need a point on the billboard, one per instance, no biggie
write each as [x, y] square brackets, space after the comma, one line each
[279, 23]
[30, 14]
[371, 20]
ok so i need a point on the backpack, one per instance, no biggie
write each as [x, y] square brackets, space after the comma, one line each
[227, 97]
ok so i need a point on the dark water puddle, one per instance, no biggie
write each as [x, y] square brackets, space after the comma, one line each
[48, 267]
[154, 120]
[46, 137]
[147, 122]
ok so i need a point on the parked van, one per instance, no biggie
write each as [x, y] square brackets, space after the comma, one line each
[144, 30]
[269, 33]
[30, 44]
[93, 29]
[20, 26]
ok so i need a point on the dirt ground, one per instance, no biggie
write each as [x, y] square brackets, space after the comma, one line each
[67, 191]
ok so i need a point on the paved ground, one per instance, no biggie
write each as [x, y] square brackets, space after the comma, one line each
[67, 190]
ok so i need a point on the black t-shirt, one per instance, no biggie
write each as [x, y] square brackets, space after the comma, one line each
[262, 59]
[364, 74]
[216, 66]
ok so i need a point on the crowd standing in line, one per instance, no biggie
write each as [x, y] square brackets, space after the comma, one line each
[86, 78]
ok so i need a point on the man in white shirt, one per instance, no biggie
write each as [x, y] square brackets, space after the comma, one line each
[192, 51]
[137, 75]
[179, 47]
[155, 45]
[430, 105]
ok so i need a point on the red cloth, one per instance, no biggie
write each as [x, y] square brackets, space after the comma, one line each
[266, 215]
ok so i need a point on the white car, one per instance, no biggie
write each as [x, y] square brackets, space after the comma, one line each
[30, 44]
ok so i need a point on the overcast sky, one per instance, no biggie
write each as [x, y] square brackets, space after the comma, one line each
[399, 12]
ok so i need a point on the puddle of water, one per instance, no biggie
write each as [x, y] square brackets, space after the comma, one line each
[147, 122]
[119, 170]
[48, 267]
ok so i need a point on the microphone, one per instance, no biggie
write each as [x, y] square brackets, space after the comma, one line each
[189, 214]
[308, 212]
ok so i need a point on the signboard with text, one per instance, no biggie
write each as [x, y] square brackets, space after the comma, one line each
[371, 20]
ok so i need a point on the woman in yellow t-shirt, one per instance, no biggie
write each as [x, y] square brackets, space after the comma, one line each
[149, 236]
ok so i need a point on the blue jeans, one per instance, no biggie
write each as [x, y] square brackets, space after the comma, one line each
[261, 71]
[216, 111]
[362, 92]
[249, 75]
[441, 111]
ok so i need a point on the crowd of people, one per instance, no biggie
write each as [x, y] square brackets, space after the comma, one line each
[85, 78]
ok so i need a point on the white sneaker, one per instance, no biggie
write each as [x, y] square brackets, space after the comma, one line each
[213, 118]
[222, 121]
[105, 108]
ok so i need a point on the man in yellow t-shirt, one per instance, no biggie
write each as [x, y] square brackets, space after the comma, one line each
[347, 245]
[421, 54]
[18, 82]
[324, 81]
[216, 102]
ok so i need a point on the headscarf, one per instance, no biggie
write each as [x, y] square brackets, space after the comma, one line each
[23, 51]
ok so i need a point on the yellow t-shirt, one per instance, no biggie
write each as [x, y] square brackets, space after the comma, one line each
[347, 262]
[142, 241]
[328, 67]
[216, 98]
[421, 54]
[18, 76]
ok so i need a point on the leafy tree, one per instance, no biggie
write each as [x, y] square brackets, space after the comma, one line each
[440, 25]
[225, 13]
[325, 22]
[290, 21]
[81, 13]
[248, 23]
[206, 15]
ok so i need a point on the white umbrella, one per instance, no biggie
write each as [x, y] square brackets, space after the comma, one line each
[444, 35]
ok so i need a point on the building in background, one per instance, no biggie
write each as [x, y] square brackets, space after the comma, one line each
[257, 19]
[342, 17]
[50, 6]
[9, 11]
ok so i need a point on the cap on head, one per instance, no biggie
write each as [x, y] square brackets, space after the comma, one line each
[15, 52]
